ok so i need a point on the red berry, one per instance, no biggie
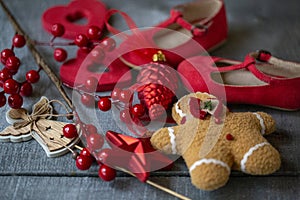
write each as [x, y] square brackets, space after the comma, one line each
[60, 54]
[90, 128]
[18, 41]
[104, 104]
[115, 94]
[87, 100]
[137, 110]
[125, 116]
[11, 86]
[57, 30]
[229, 137]
[81, 40]
[70, 131]
[13, 63]
[108, 44]
[83, 162]
[103, 155]
[15, 101]
[95, 141]
[97, 55]
[91, 84]
[2, 99]
[5, 54]
[85, 152]
[5, 75]
[107, 173]
[26, 89]
[94, 33]
[32, 76]
[125, 96]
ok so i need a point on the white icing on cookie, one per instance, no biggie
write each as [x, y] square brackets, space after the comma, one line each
[249, 153]
[172, 140]
[262, 124]
[209, 161]
[178, 110]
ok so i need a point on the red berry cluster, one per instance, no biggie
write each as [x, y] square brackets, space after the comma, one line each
[95, 141]
[16, 90]
[86, 42]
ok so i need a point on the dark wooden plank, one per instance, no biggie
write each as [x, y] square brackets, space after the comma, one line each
[30, 187]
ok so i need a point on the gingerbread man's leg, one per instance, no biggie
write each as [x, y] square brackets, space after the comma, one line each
[256, 156]
[211, 172]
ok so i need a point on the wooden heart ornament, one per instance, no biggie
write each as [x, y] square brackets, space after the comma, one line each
[67, 15]
[48, 133]
[74, 72]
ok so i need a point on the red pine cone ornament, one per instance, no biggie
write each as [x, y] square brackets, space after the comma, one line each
[158, 85]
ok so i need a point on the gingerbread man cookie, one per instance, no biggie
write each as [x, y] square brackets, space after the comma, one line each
[211, 147]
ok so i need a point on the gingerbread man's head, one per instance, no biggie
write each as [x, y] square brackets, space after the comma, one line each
[213, 140]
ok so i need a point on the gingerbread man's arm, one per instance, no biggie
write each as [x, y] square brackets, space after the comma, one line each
[266, 123]
[173, 140]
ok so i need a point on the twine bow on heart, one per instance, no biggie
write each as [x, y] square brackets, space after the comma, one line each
[39, 126]
[42, 110]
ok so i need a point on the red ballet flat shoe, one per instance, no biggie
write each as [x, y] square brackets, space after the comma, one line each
[261, 79]
[191, 29]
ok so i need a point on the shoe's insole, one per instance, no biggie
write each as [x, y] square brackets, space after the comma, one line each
[195, 12]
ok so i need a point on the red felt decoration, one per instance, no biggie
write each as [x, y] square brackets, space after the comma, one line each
[92, 10]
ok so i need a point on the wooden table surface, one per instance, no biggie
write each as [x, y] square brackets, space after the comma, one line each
[27, 173]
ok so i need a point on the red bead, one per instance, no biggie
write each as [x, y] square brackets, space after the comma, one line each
[94, 33]
[32, 76]
[87, 100]
[18, 41]
[104, 104]
[11, 86]
[2, 99]
[102, 155]
[125, 116]
[83, 162]
[15, 101]
[81, 40]
[107, 173]
[125, 96]
[90, 128]
[108, 44]
[85, 152]
[13, 63]
[5, 75]
[60, 54]
[26, 89]
[5, 54]
[57, 30]
[95, 141]
[91, 84]
[70, 131]
[115, 94]
[137, 110]
[229, 137]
